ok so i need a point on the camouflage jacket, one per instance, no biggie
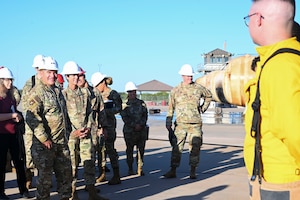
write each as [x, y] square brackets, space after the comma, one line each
[17, 95]
[47, 115]
[112, 104]
[185, 101]
[134, 112]
[79, 107]
[26, 90]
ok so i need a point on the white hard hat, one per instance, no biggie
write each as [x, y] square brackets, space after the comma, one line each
[38, 61]
[130, 86]
[50, 64]
[5, 73]
[186, 70]
[71, 67]
[97, 77]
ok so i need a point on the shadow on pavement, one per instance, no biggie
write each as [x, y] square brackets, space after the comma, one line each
[214, 160]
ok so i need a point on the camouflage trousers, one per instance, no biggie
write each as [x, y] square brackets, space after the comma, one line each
[27, 143]
[56, 159]
[81, 150]
[193, 134]
[107, 146]
[99, 151]
[138, 139]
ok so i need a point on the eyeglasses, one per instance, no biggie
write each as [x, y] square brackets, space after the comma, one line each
[247, 18]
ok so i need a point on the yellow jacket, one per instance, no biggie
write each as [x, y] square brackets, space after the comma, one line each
[280, 113]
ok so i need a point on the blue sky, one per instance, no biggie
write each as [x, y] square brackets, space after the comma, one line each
[129, 40]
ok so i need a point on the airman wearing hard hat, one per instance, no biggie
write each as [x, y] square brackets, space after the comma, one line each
[38, 61]
[112, 105]
[47, 116]
[82, 82]
[9, 120]
[79, 107]
[185, 101]
[106, 138]
[134, 115]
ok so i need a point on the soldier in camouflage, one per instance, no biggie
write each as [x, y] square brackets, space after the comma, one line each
[135, 116]
[185, 100]
[102, 92]
[30, 83]
[47, 116]
[78, 102]
[82, 83]
[113, 105]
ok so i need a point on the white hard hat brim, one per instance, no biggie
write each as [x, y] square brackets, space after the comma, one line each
[97, 78]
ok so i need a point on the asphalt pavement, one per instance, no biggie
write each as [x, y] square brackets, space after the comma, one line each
[221, 174]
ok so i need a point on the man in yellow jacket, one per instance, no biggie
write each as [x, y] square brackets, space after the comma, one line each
[270, 25]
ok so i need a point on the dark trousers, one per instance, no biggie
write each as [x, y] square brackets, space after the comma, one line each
[9, 142]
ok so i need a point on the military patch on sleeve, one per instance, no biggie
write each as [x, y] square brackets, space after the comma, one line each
[34, 102]
[31, 102]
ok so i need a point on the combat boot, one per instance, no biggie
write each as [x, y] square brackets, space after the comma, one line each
[130, 170]
[140, 171]
[171, 173]
[116, 178]
[93, 193]
[193, 172]
[102, 176]
[29, 175]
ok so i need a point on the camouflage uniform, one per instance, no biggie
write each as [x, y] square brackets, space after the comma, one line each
[30, 83]
[113, 105]
[46, 115]
[185, 101]
[80, 113]
[134, 112]
[108, 140]
[17, 95]
[94, 128]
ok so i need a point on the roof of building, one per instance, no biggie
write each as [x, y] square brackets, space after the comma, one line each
[154, 85]
[218, 52]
